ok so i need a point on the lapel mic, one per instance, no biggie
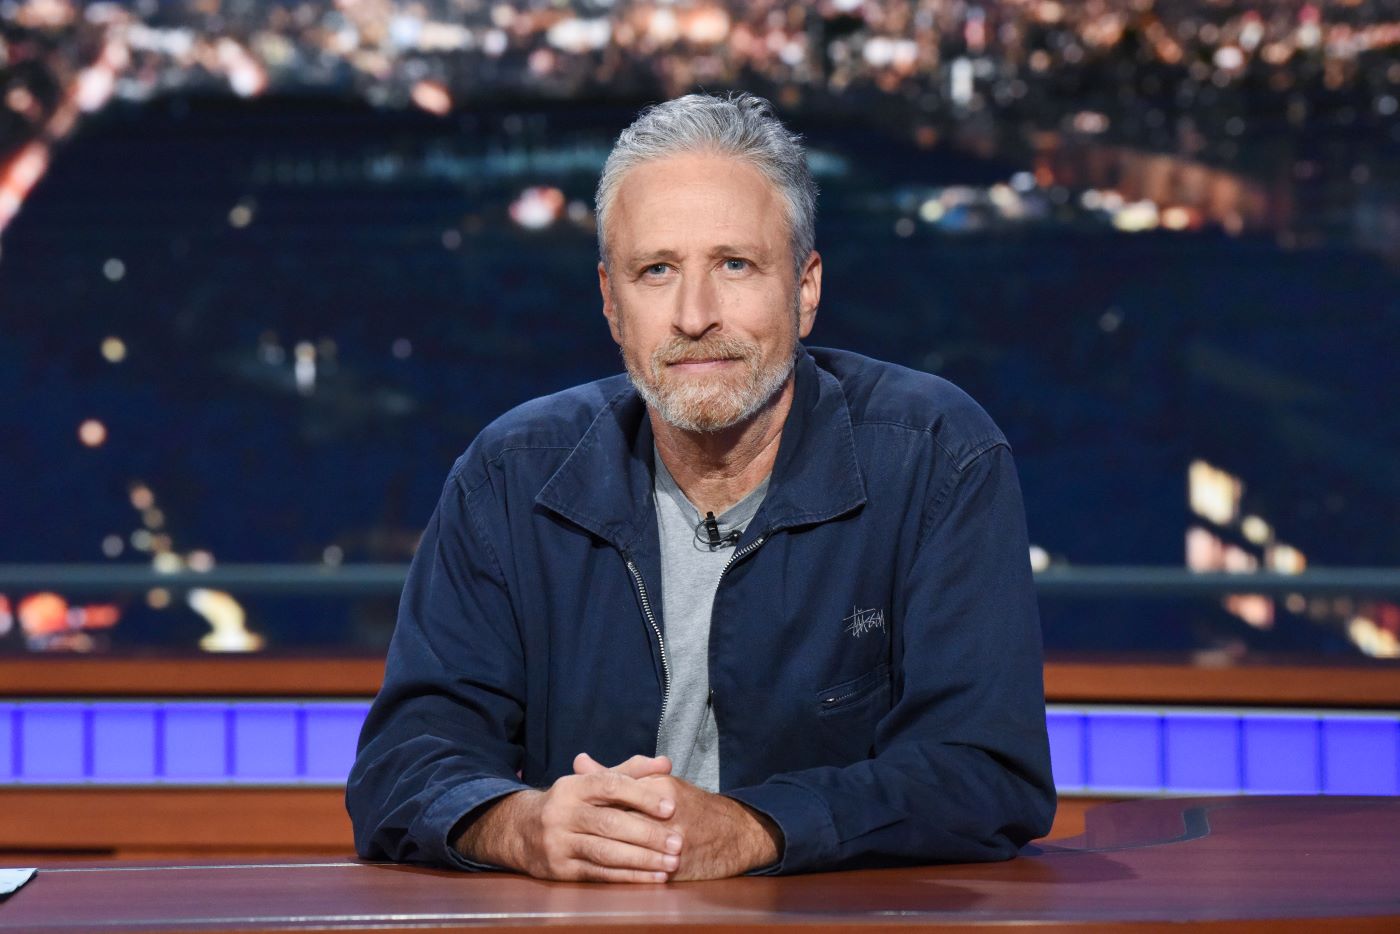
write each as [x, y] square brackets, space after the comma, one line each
[711, 527]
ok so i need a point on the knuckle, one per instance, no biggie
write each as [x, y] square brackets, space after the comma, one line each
[552, 813]
[593, 851]
[591, 873]
[553, 849]
[555, 868]
[608, 821]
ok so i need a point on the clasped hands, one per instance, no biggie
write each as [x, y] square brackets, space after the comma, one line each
[634, 822]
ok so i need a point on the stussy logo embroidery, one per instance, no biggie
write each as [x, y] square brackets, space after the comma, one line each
[862, 621]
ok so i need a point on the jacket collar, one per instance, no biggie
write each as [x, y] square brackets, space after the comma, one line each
[605, 484]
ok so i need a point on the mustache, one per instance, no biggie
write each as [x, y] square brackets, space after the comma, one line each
[714, 347]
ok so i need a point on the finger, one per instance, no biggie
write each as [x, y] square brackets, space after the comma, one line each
[613, 854]
[584, 764]
[636, 767]
[645, 766]
[629, 827]
[584, 871]
[652, 797]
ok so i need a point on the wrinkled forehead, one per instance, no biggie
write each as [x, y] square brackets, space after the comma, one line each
[694, 201]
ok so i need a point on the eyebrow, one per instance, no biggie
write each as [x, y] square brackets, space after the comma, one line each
[637, 259]
[723, 249]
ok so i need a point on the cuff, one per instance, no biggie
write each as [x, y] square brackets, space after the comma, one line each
[434, 827]
[809, 836]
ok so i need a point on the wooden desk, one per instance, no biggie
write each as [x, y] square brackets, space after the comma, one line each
[1070, 679]
[1252, 864]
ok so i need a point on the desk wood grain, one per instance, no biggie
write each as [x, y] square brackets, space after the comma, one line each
[1250, 864]
[1105, 681]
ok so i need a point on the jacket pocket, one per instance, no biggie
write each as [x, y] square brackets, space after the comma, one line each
[838, 698]
[849, 712]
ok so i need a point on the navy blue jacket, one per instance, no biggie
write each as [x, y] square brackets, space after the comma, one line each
[875, 650]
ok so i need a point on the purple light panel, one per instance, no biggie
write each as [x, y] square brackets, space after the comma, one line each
[194, 742]
[265, 742]
[1281, 755]
[1203, 753]
[332, 730]
[52, 743]
[9, 748]
[1125, 751]
[1181, 751]
[1066, 749]
[1361, 756]
[1093, 750]
[124, 742]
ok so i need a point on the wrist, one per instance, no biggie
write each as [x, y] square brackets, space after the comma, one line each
[495, 835]
[763, 838]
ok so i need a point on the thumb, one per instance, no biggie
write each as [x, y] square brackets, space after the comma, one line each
[584, 764]
[635, 767]
[645, 766]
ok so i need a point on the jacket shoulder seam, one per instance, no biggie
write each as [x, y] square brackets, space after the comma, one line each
[974, 450]
[495, 459]
[978, 448]
[891, 423]
[941, 499]
[469, 511]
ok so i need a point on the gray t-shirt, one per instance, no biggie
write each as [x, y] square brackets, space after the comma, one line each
[690, 574]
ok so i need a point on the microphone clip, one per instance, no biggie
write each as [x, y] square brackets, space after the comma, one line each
[712, 529]
[714, 538]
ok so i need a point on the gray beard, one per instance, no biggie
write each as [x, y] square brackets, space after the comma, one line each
[711, 408]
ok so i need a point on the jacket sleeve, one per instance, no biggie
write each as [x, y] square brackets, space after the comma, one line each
[961, 764]
[440, 740]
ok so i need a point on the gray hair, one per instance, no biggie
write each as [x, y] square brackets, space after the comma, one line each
[740, 125]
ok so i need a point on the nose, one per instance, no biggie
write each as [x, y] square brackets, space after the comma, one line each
[697, 306]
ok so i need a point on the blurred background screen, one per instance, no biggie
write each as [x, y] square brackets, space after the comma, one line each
[267, 266]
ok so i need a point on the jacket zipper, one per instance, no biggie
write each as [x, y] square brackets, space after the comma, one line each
[655, 628]
[835, 699]
[660, 642]
[742, 552]
[739, 553]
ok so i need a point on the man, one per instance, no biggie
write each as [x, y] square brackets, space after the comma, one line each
[746, 609]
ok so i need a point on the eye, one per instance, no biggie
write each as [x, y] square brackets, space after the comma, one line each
[655, 270]
[734, 264]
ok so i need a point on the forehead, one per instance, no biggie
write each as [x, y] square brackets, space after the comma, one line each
[694, 200]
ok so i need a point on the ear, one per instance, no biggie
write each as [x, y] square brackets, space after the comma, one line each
[809, 294]
[609, 307]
